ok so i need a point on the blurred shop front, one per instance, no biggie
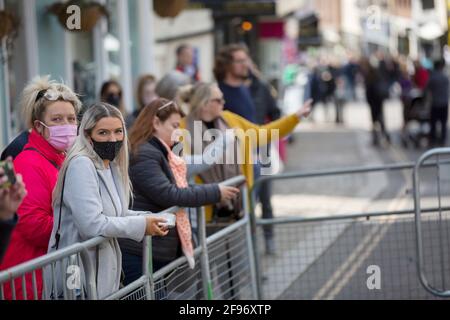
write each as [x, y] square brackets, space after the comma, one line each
[134, 37]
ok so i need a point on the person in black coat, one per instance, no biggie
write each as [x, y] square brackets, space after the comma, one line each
[154, 184]
[438, 89]
[377, 91]
[266, 111]
[16, 146]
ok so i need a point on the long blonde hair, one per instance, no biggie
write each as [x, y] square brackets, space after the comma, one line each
[83, 147]
[195, 96]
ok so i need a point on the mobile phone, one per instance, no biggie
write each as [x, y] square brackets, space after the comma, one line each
[8, 169]
[170, 220]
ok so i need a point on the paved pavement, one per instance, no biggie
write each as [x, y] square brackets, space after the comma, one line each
[330, 259]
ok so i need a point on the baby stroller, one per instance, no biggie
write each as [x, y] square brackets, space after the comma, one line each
[416, 117]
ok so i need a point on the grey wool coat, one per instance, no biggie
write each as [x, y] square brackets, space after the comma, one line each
[89, 210]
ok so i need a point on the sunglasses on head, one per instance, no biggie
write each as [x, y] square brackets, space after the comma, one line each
[52, 95]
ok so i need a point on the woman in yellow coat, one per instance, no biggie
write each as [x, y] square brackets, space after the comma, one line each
[206, 117]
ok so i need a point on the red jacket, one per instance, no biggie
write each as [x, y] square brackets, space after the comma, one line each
[421, 78]
[32, 234]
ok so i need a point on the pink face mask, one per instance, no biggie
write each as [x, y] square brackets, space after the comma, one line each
[62, 137]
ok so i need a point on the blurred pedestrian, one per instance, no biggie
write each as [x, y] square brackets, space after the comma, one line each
[340, 98]
[406, 85]
[316, 87]
[51, 109]
[111, 93]
[266, 111]
[231, 70]
[438, 89]
[328, 78]
[186, 63]
[91, 199]
[168, 86]
[146, 93]
[350, 72]
[377, 90]
[421, 75]
[206, 102]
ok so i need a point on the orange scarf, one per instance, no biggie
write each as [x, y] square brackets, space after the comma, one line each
[179, 170]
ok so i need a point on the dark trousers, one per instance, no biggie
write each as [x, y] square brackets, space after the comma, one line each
[339, 103]
[438, 115]
[264, 196]
[376, 111]
[132, 267]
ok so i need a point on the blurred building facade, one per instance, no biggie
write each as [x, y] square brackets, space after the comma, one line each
[134, 40]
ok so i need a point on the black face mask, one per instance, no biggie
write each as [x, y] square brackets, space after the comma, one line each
[113, 99]
[107, 150]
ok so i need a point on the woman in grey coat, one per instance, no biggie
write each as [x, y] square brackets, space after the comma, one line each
[91, 199]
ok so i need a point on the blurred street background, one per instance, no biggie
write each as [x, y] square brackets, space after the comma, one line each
[374, 68]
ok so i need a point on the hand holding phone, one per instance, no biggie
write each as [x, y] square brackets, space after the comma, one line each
[170, 219]
[10, 197]
[7, 174]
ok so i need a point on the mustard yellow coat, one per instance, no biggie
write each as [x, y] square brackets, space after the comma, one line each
[248, 142]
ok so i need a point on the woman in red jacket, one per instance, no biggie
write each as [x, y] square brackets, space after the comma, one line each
[51, 110]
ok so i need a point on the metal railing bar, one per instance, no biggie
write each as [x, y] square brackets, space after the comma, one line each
[350, 216]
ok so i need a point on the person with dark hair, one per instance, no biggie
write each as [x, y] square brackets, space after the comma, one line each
[438, 89]
[169, 84]
[231, 71]
[145, 94]
[185, 62]
[376, 93]
[159, 179]
[111, 93]
[266, 111]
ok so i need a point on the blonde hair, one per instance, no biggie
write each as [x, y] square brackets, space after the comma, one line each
[195, 96]
[83, 147]
[33, 110]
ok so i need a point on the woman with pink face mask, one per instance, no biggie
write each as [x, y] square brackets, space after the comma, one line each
[51, 109]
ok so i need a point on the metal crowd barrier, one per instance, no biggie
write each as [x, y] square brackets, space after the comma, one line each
[384, 254]
[224, 268]
[435, 282]
[333, 256]
[72, 255]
